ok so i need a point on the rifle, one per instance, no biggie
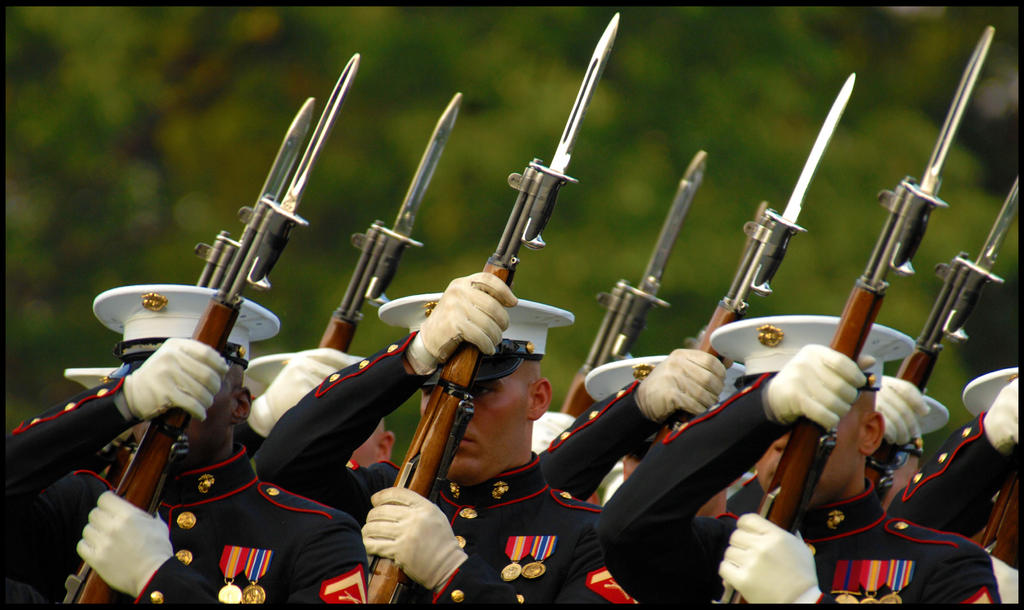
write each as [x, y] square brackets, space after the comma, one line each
[450, 404]
[909, 206]
[767, 240]
[381, 248]
[1000, 536]
[628, 306]
[268, 224]
[961, 289]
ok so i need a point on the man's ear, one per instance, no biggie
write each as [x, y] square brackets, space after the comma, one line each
[539, 394]
[872, 432]
[241, 405]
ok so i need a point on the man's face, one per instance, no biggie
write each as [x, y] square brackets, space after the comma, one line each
[843, 476]
[207, 439]
[499, 434]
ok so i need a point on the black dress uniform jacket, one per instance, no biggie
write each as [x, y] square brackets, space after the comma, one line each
[659, 552]
[307, 451]
[953, 490]
[315, 552]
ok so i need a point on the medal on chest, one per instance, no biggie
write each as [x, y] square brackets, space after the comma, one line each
[232, 560]
[860, 581]
[255, 568]
[517, 547]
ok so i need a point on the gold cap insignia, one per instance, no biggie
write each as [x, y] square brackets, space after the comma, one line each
[428, 308]
[205, 483]
[835, 517]
[499, 490]
[530, 347]
[641, 371]
[154, 301]
[769, 336]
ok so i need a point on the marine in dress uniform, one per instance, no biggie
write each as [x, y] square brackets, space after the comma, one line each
[850, 550]
[220, 532]
[498, 531]
[955, 488]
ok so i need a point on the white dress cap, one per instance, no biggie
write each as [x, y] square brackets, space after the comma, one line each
[937, 416]
[89, 377]
[611, 377]
[173, 310]
[981, 392]
[264, 370]
[765, 345]
[528, 320]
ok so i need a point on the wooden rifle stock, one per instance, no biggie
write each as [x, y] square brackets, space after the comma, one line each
[338, 334]
[426, 450]
[1002, 526]
[576, 399]
[143, 480]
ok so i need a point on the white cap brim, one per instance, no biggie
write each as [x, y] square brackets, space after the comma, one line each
[981, 392]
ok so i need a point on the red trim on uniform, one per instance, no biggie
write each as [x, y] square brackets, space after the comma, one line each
[849, 533]
[982, 592]
[458, 506]
[559, 500]
[536, 493]
[508, 473]
[713, 412]
[143, 591]
[240, 453]
[912, 487]
[557, 442]
[215, 498]
[321, 390]
[296, 509]
[23, 427]
[727, 515]
[446, 583]
[91, 473]
[394, 465]
[902, 535]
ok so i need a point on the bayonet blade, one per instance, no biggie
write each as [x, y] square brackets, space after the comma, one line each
[323, 129]
[425, 171]
[288, 153]
[797, 198]
[932, 177]
[594, 70]
[990, 250]
[688, 186]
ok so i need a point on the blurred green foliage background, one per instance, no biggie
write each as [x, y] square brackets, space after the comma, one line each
[134, 133]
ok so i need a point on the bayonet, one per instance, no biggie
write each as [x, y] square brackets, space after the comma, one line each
[218, 257]
[281, 217]
[381, 248]
[688, 185]
[594, 71]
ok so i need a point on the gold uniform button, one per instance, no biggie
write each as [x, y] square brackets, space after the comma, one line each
[364, 364]
[566, 495]
[102, 392]
[184, 556]
[392, 348]
[620, 393]
[917, 477]
[811, 548]
[458, 595]
[901, 525]
[69, 406]
[592, 415]
[467, 513]
[273, 491]
[461, 541]
[333, 378]
[564, 435]
[942, 458]
[156, 597]
[34, 421]
[520, 598]
[186, 520]
[966, 432]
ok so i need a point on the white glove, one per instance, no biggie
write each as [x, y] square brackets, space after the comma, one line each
[181, 373]
[305, 370]
[688, 380]
[413, 532]
[768, 565]
[819, 383]
[471, 309]
[124, 544]
[1001, 420]
[901, 405]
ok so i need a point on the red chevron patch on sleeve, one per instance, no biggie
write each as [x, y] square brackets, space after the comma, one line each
[349, 588]
[602, 583]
